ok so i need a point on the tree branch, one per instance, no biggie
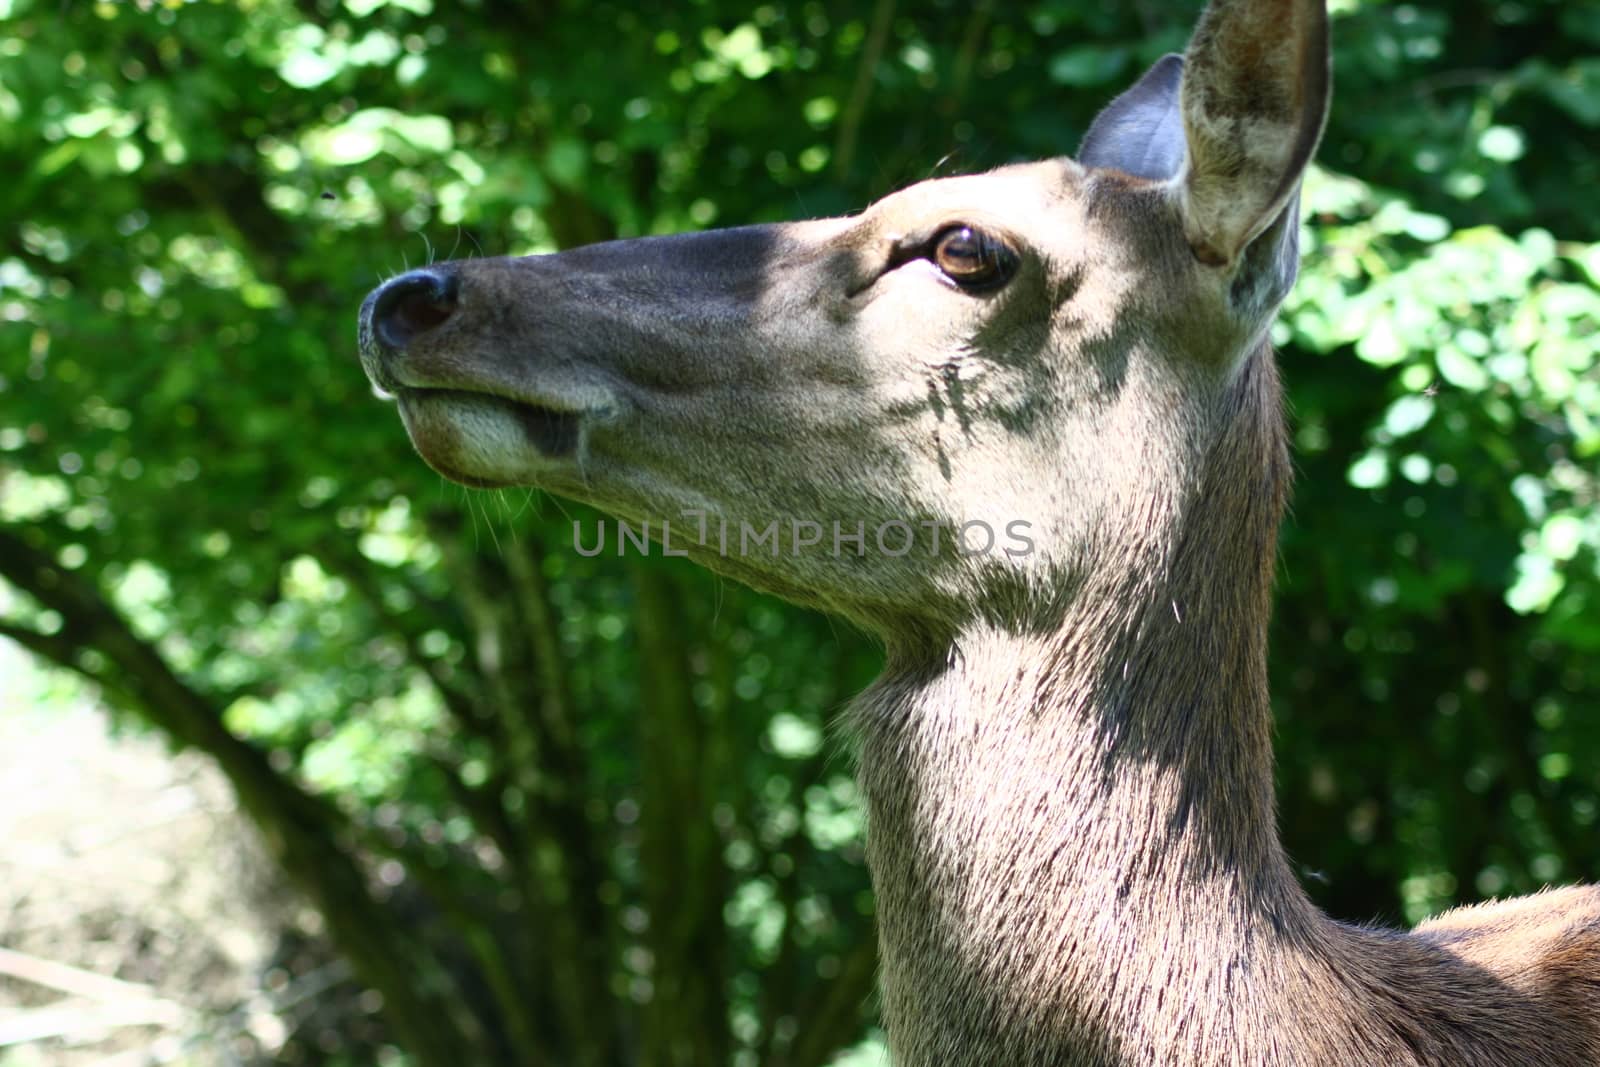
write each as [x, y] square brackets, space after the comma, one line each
[844, 149]
[301, 829]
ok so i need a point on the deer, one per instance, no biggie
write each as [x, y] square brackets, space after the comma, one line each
[1066, 760]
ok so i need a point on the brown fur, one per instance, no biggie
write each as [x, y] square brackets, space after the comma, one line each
[1067, 760]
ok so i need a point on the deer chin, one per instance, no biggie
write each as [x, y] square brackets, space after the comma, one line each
[487, 441]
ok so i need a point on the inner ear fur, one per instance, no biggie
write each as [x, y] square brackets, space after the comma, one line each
[1254, 97]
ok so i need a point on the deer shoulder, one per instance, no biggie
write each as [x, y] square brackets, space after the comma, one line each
[1544, 945]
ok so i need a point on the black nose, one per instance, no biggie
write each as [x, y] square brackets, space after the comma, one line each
[412, 305]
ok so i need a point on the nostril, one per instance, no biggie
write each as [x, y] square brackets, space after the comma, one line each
[412, 305]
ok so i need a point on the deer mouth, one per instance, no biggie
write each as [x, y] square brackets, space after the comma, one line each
[552, 431]
[485, 440]
[555, 433]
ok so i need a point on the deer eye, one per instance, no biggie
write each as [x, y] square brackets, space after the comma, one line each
[973, 259]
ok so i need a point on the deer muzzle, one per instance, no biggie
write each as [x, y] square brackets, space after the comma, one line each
[470, 420]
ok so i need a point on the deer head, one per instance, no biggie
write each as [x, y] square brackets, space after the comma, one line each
[983, 376]
[1067, 761]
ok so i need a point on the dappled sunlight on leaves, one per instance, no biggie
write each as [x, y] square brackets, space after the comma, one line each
[539, 824]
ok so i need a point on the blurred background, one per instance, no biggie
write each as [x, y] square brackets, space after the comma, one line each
[309, 757]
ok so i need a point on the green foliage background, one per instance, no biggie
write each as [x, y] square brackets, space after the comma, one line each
[561, 810]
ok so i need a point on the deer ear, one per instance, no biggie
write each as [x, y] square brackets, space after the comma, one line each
[1254, 98]
[1141, 131]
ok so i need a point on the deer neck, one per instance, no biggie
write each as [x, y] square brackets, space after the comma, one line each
[1071, 827]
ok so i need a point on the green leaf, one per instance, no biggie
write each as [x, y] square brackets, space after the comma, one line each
[1503, 144]
[1371, 471]
[1408, 414]
[1538, 582]
[1460, 369]
[1088, 65]
[1561, 536]
[1381, 345]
